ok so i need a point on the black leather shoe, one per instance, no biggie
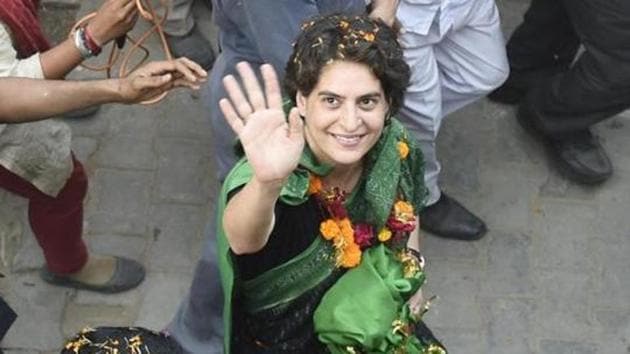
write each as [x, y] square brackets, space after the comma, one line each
[449, 219]
[194, 46]
[579, 156]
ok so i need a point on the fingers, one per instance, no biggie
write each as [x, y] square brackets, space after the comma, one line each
[231, 116]
[272, 87]
[252, 88]
[189, 69]
[151, 82]
[237, 97]
[181, 68]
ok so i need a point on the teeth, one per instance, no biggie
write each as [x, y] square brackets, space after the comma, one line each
[347, 139]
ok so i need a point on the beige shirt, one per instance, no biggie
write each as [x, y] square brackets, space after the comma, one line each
[39, 152]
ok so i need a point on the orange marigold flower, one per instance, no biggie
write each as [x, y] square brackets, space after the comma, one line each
[314, 184]
[351, 256]
[403, 149]
[369, 37]
[403, 209]
[347, 231]
[329, 229]
[343, 24]
[384, 235]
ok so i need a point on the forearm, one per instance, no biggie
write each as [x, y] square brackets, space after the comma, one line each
[58, 61]
[249, 216]
[23, 100]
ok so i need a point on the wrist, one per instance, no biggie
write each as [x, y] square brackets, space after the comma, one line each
[95, 35]
[85, 44]
[419, 257]
[271, 188]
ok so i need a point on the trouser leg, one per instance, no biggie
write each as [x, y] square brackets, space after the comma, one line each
[421, 112]
[57, 222]
[597, 86]
[471, 58]
[180, 19]
[198, 323]
[546, 38]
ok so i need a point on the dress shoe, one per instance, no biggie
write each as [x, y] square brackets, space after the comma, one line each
[579, 155]
[193, 46]
[449, 219]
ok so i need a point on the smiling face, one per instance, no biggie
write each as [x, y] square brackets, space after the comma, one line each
[344, 113]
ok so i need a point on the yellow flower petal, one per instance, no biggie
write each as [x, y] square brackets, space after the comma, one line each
[403, 149]
[384, 235]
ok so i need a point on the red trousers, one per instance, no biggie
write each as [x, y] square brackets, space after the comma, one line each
[57, 222]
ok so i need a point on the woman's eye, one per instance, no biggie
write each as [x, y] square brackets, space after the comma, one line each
[331, 101]
[368, 103]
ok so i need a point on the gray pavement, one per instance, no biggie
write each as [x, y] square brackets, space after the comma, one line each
[548, 278]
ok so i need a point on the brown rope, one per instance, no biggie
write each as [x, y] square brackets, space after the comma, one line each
[147, 12]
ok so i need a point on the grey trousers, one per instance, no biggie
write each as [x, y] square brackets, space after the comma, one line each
[180, 19]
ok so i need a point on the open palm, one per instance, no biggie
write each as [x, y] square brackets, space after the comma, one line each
[272, 144]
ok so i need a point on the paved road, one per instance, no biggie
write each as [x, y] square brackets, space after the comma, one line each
[548, 278]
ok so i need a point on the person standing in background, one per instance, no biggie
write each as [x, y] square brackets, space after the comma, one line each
[561, 93]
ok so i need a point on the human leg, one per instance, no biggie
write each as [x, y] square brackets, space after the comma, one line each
[469, 62]
[542, 46]
[471, 57]
[184, 37]
[561, 109]
[198, 322]
[57, 223]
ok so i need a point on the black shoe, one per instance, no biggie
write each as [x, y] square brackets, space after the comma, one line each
[520, 82]
[579, 156]
[449, 219]
[194, 46]
[128, 275]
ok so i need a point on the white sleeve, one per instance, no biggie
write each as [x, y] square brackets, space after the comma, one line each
[10, 65]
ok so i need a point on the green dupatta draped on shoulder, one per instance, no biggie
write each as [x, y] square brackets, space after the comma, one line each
[387, 176]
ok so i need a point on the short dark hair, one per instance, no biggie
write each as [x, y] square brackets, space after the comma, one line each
[357, 39]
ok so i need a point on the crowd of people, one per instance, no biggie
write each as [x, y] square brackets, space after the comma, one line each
[335, 107]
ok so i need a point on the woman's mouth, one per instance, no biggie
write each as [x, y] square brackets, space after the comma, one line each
[348, 140]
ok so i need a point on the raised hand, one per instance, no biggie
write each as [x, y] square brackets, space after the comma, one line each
[272, 144]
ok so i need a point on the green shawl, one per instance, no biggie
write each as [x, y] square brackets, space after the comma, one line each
[387, 176]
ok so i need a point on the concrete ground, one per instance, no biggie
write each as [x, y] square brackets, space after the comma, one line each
[548, 278]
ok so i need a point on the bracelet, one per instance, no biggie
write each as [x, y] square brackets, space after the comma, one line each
[85, 44]
[419, 257]
[79, 43]
[90, 43]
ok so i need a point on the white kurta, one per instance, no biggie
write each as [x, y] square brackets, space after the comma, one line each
[39, 152]
[456, 52]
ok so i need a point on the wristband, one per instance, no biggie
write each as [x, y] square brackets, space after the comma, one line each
[79, 43]
[90, 43]
[418, 256]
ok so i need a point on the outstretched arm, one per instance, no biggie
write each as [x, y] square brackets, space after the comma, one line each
[273, 147]
[24, 100]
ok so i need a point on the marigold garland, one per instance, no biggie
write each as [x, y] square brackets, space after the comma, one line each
[403, 149]
[348, 239]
